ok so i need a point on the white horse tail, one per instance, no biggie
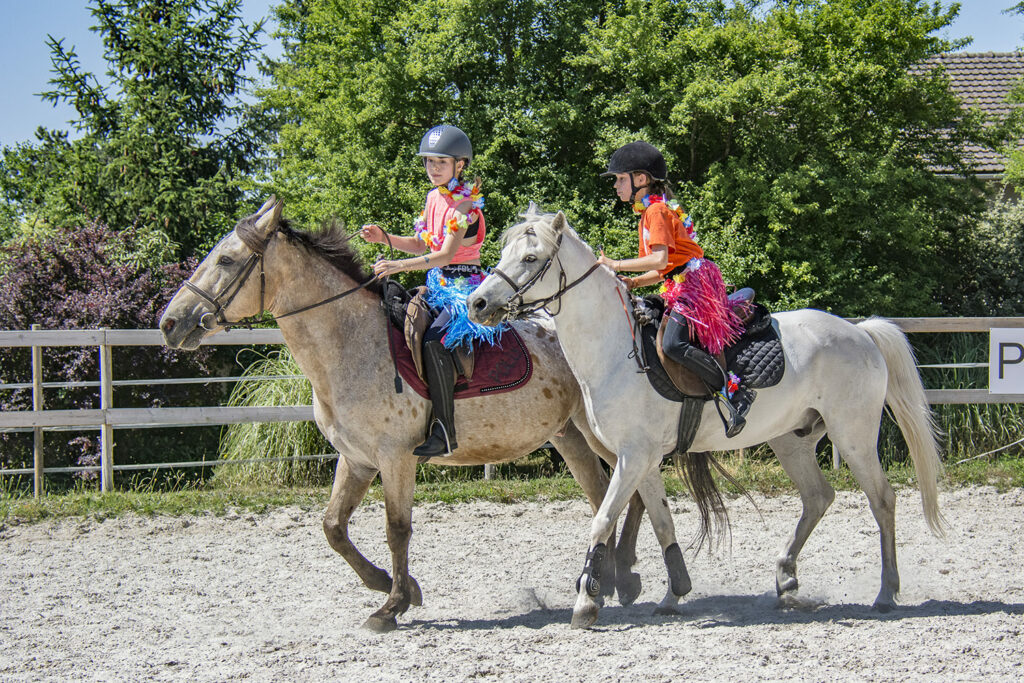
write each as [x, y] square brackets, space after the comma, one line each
[906, 399]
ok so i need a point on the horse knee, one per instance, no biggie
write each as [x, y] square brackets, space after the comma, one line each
[399, 531]
[822, 502]
[336, 532]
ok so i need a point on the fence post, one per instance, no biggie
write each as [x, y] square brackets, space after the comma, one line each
[106, 431]
[488, 471]
[38, 462]
[837, 459]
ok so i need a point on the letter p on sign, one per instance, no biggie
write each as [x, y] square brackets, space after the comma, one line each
[1006, 361]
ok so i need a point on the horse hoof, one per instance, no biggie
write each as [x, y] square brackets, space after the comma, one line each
[629, 587]
[790, 600]
[786, 585]
[666, 611]
[584, 618]
[379, 624]
[884, 607]
[415, 594]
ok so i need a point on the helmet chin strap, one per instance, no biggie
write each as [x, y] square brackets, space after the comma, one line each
[634, 189]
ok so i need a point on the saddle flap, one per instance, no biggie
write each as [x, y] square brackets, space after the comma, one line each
[417, 320]
[686, 381]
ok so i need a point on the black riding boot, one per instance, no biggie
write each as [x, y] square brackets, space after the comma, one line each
[740, 405]
[440, 370]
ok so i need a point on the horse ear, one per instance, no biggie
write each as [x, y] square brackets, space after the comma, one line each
[266, 205]
[558, 224]
[271, 218]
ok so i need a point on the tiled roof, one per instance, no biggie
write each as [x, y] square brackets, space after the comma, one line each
[982, 80]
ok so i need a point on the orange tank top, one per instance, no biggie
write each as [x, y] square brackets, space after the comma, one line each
[439, 210]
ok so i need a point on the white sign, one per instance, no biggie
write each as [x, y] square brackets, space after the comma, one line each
[1006, 361]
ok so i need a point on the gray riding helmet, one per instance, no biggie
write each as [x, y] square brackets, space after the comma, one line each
[446, 141]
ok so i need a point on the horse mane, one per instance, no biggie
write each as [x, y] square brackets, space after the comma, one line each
[542, 225]
[331, 243]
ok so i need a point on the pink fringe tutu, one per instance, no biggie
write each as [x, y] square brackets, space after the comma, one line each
[699, 294]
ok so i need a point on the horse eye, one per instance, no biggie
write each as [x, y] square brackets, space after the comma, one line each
[225, 261]
[529, 258]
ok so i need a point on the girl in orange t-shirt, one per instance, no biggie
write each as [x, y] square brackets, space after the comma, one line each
[692, 288]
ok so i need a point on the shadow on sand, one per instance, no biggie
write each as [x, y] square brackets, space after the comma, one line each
[727, 611]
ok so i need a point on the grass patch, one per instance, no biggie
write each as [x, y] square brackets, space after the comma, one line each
[756, 474]
[196, 501]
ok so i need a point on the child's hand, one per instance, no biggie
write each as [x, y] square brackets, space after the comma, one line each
[384, 268]
[605, 261]
[372, 233]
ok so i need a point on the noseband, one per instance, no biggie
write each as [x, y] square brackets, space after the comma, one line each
[227, 294]
[518, 308]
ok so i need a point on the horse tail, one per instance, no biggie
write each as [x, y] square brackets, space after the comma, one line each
[906, 399]
[695, 471]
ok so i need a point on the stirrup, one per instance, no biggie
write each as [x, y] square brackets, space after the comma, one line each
[427, 449]
[735, 422]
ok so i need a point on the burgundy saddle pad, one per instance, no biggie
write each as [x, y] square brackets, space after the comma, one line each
[498, 368]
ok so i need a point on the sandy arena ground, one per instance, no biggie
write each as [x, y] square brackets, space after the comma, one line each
[263, 598]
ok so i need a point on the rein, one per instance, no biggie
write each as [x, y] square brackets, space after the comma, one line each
[522, 308]
[231, 289]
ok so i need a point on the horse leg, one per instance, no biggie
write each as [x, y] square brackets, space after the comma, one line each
[652, 490]
[398, 477]
[586, 469]
[797, 457]
[628, 583]
[858, 444]
[350, 485]
[629, 472]
[621, 556]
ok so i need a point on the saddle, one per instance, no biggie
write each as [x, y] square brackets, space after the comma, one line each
[482, 369]
[418, 318]
[756, 357]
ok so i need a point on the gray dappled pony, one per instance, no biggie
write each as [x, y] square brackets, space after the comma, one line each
[342, 348]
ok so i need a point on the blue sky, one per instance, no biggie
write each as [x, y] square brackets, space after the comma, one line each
[25, 59]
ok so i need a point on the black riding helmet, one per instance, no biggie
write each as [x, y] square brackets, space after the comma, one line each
[446, 141]
[638, 156]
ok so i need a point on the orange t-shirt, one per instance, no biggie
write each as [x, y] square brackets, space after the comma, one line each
[660, 225]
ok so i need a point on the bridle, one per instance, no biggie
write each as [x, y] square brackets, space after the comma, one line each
[518, 308]
[222, 299]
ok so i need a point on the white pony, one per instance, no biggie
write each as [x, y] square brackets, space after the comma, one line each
[838, 378]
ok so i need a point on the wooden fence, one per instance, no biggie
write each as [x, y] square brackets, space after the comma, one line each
[107, 417]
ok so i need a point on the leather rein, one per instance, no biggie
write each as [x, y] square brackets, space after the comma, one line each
[222, 299]
[518, 308]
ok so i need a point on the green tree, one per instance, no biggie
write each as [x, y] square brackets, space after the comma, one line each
[797, 132]
[803, 144]
[359, 85]
[164, 144]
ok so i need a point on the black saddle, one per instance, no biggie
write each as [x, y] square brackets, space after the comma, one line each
[756, 357]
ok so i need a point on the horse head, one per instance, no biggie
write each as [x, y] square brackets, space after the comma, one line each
[522, 282]
[220, 290]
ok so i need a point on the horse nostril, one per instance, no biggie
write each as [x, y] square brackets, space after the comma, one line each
[167, 324]
[479, 304]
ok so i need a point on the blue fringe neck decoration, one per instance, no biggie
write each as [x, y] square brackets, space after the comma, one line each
[450, 294]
